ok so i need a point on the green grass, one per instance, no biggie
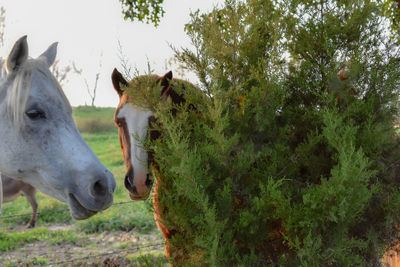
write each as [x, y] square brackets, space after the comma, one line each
[37, 261]
[125, 218]
[12, 240]
[148, 260]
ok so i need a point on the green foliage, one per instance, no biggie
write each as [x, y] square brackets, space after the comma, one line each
[281, 161]
[391, 9]
[149, 11]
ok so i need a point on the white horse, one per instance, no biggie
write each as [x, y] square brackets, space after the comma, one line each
[39, 142]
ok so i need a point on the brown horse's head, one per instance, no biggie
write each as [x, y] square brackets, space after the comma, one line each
[133, 123]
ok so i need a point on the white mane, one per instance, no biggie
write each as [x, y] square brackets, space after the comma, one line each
[17, 88]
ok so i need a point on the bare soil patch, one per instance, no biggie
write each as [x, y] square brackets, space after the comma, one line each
[104, 249]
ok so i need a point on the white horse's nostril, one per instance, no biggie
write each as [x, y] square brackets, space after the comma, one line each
[99, 188]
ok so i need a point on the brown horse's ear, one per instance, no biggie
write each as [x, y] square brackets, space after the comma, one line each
[117, 80]
[166, 79]
[168, 90]
[165, 84]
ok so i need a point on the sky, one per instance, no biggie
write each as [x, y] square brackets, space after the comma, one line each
[89, 32]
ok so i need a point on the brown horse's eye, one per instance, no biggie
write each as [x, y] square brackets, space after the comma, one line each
[118, 123]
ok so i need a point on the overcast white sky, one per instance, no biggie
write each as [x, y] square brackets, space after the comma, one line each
[88, 32]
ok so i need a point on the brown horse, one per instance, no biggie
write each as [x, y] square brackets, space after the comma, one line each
[132, 122]
[14, 188]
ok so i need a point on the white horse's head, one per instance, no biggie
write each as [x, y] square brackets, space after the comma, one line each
[39, 142]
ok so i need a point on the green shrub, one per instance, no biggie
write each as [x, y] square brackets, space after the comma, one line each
[281, 161]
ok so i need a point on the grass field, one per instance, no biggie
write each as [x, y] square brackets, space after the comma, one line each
[58, 237]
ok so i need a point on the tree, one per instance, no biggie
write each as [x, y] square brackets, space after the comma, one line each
[391, 9]
[92, 90]
[323, 38]
[149, 11]
[92, 93]
[282, 161]
[60, 73]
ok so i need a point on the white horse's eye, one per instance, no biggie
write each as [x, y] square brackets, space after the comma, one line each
[35, 114]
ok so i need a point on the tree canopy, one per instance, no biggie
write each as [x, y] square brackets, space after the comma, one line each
[291, 154]
[391, 9]
[149, 11]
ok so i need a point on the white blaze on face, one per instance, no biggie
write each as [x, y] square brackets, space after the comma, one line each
[137, 121]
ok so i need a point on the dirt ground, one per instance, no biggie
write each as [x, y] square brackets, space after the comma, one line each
[114, 249]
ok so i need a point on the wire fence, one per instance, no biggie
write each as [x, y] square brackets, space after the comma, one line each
[136, 249]
[16, 215]
[11, 216]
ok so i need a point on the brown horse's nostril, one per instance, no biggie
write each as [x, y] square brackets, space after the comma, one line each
[99, 188]
[149, 182]
[129, 184]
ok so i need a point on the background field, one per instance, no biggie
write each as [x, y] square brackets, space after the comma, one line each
[125, 233]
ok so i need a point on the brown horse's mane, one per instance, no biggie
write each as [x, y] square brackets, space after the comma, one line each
[165, 81]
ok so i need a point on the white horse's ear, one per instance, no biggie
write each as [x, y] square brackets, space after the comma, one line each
[50, 54]
[18, 55]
